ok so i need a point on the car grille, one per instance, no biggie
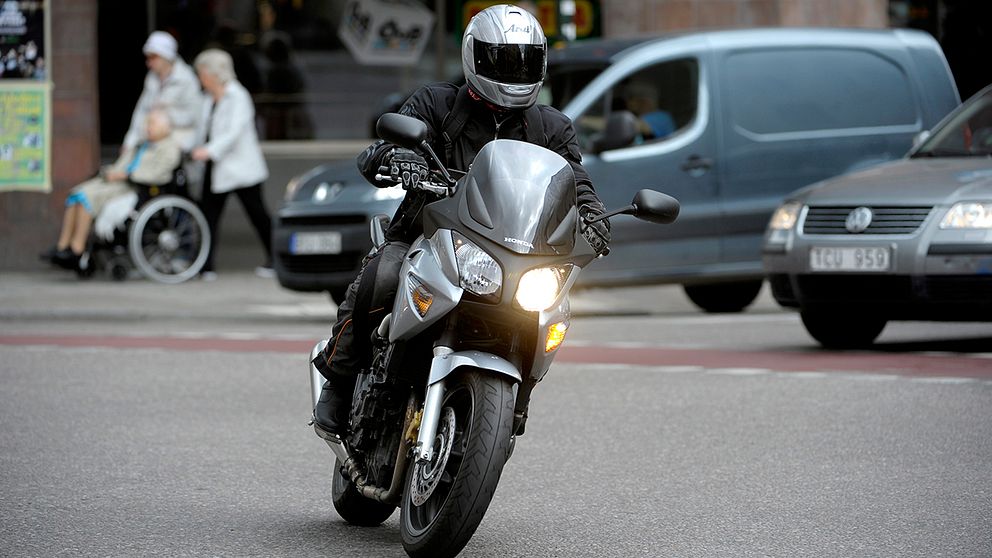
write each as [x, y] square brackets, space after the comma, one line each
[321, 263]
[885, 220]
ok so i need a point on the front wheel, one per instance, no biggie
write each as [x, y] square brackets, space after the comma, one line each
[723, 297]
[352, 506]
[445, 500]
[841, 330]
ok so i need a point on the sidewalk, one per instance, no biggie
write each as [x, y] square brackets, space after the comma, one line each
[241, 296]
[235, 295]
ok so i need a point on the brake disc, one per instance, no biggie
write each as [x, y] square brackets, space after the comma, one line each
[427, 474]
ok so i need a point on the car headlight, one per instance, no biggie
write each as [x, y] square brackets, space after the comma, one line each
[478, 272]
[968, 215]
[291, 187]
[785, 216]
[538, 288]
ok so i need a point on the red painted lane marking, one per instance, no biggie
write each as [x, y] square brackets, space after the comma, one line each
[906, 364]
[781, 361]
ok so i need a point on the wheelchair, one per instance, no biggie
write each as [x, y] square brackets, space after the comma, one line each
[165, 237]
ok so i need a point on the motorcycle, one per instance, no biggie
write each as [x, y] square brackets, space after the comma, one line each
[479, 315]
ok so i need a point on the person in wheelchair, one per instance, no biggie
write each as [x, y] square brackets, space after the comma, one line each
[152, 161]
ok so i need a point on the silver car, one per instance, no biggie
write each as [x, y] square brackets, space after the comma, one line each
[906, 240]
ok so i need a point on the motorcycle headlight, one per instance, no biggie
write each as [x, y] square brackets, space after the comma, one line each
[539, 288]
[785, 216]
[478, 272]
[968, 215]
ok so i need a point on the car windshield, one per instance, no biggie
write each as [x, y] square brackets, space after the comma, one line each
[967, 134]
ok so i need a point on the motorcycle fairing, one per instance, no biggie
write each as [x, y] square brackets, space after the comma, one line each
[519, 206]
[431, 265]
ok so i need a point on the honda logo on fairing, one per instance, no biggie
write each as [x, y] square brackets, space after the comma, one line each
[518, 241]
[858, 220]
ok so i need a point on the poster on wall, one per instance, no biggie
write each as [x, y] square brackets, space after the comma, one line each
[22, 39]
[25, 99]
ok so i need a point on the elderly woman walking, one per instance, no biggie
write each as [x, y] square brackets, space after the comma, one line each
[229, 146]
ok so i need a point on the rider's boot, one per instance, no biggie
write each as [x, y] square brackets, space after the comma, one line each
[334, 405]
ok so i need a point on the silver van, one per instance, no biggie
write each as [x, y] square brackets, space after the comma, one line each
[728, 122]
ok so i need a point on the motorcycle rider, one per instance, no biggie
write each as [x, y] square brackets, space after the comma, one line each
[504, 58]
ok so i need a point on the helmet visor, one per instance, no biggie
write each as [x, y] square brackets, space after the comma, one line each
[518, 64]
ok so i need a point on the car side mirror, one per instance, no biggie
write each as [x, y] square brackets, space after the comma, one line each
[404, 131]
[620, 131]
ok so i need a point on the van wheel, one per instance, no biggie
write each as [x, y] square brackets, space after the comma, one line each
[723, 297]
[842, 330]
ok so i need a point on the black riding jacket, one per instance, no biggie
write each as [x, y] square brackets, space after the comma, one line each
[432, 104]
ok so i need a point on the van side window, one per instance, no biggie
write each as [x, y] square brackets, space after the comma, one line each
[804, 90]
[659, 101]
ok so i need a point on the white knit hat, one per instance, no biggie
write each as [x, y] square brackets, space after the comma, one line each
[162, 44]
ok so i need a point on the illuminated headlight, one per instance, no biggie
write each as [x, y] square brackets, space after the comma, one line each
[539, 288]
[785, 216]
[478, 272]
[968, 215]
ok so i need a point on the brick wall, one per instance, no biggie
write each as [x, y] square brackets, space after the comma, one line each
[639, 17]
[29, 221]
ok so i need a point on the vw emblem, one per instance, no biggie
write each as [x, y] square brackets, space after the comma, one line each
[858, 220]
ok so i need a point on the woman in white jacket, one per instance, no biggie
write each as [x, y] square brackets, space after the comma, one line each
[229, 146]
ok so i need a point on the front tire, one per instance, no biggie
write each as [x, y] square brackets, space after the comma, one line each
[723, 297]
[480, 445]
[839, 330]
[352, 506]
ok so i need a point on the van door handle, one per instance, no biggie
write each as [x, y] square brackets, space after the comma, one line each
[696, 165]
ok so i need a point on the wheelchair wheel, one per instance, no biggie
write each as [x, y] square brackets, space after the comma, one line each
[169, 239]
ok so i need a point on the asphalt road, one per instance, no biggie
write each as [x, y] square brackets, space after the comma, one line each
[730, 436]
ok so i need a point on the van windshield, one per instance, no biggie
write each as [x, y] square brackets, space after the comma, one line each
[967, 134]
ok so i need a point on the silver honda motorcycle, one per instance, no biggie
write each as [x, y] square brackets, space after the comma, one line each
[480, 312]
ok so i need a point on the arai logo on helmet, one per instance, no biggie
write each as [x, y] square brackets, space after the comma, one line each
[514, 28]
[518, 241]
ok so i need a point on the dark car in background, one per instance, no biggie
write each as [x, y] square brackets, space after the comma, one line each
[738, 120]
[907, 240]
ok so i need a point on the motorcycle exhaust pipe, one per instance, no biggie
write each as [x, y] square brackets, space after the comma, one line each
[316, 378]
[357, 476]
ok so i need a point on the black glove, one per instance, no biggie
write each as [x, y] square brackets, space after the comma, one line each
[597, 234]
[407, 168]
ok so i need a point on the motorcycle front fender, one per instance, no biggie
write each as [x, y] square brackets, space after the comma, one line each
[442, 366]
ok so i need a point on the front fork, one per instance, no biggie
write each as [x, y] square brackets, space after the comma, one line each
[432, 407]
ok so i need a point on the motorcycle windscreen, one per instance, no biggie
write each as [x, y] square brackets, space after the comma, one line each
[521, 196]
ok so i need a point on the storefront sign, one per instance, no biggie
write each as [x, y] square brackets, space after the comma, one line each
[386, 33]
[586, 16]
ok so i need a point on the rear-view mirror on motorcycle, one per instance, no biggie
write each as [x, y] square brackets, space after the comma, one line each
[404, 131]
[655, 207]
[648, 205]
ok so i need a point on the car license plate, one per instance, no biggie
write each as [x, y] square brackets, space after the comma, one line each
[315, 243]
[875, 258]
